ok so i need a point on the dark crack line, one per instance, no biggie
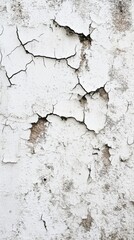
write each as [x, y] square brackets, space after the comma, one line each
[94, 92]
[85, 40]
[20, 46]
[44, 222]
[128, 105]
[31, 41]
[91, 93]
[89, 175]
[75, 69]
[82, 36]
[41, 56]
[79, 84]
[7, 125]
[11, 84]
[65, 119]
[2, 31]
[22, 70]
[13, 51]
[69, 117]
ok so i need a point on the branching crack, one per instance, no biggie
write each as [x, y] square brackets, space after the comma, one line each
[41, 56]
[85, 40]
[75, 69]
[22, 70]
[79, 84]
[11, 84]
[6, 125]
[102, 92]
[20, 45]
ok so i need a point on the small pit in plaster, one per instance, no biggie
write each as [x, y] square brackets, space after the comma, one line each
[83, 101]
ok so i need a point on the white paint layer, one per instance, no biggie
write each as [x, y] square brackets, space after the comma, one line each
[66, 120]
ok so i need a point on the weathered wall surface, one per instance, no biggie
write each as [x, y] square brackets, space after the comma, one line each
[67, 120]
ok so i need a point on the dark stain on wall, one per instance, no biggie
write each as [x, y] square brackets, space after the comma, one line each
[87, 222]
[121, 14]
[19, 13]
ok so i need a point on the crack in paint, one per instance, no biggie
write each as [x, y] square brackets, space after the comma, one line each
[82, 36]
[86, 41]
[66, 118]
[44, 222]
[2, 31]
[103, 93]
[22, 70]
[41, 56]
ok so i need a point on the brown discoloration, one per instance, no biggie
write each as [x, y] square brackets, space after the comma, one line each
[37, 130]
[83, 59]
[87, 222]
[106, 155]
[69, 31]
[103, 94]
[121, 14]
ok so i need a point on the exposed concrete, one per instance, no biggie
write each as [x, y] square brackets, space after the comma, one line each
[66, 120]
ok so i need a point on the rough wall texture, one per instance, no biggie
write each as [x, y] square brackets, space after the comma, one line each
[66, 120]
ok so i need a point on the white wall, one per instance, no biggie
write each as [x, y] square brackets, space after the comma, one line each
[66, 120]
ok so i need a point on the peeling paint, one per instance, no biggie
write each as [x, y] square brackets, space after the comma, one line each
[66, 120]
[37, 130]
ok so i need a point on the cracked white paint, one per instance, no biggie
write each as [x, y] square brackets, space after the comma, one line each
[66, 120]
